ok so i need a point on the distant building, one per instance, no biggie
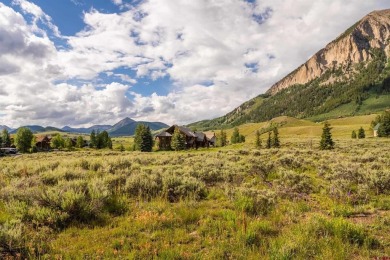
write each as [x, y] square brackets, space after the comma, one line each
[376, 129]
[192, 139]
[43, 143]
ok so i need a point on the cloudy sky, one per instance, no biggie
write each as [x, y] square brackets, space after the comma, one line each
[84, 62]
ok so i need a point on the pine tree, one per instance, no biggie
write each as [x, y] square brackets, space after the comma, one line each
[242, 139]
[353, 134]
[92, 140]
[6, 138]
[147, 140]
[269, 141]
[361, 133]
[177, 141]
[258, 140]
[222, 138]
[143, 140]
[326, 138]
[235, 136]
[275, 139]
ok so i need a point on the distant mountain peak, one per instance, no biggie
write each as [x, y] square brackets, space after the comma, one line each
[353, 46]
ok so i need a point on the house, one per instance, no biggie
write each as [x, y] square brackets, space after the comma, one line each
[164, 140]
[211, 138]
[201, 140]
[43, 143]
[192, 139]
[376, 128]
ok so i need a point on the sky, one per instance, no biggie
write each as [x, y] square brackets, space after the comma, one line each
[84, 62]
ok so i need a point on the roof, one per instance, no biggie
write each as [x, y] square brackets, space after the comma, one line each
[163, 134]
[42, 138]
[377, 127]
[209, 135]
[200, 136]
[182, 129]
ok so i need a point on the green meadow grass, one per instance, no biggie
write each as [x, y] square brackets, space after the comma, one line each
[235, 202]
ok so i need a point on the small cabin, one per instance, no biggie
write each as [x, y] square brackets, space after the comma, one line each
[376, 128]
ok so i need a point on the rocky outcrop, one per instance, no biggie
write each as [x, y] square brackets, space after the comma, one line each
[352, 47]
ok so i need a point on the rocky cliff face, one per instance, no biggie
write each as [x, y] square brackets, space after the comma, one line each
[350, 48]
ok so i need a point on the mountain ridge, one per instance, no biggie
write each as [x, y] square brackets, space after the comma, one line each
[349, 48]
[344, 78]
[124, 127]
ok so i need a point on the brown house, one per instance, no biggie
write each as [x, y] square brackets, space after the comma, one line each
[192, 139]
[211, 138]
[43, 143]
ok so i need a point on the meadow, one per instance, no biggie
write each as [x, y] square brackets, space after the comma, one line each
[235, 202]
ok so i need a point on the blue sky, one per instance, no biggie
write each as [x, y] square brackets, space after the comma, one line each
[84, 62]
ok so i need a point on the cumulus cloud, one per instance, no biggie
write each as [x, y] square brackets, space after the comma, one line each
[218, 54]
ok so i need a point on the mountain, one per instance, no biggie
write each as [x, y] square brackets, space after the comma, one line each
[121, 129]
[5, 127]
[38, 129]
[123, 123]
[350, 76]
[87, 130]
[125, 127]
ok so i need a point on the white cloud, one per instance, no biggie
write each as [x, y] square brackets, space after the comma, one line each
[217, 53]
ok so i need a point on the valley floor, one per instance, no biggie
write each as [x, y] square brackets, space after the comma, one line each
[296, 202]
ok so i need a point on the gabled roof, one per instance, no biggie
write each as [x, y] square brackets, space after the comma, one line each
[42, 138]
[377, 127]
[200, 136]
[163, 134]
[182, 129]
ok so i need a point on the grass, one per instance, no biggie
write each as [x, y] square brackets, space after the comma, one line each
[236, 202]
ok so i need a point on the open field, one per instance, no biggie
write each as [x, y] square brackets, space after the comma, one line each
[234, 202]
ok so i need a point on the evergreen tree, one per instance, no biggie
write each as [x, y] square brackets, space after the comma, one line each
[269, 141]
[222, 139]
[177, 141]
[80, 142]
[384, 127]
[242, 139]
[92, 139]
[23, 139]
[326, 138]
[143, 140]
[258, 140]
[138, 137]
[353, 134]
[1, 141]
[361, 133]
[147, 140]
[235, 136]
[6, 138]
[275, 139]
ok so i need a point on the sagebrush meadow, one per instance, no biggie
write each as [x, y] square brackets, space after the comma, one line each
[292, 202]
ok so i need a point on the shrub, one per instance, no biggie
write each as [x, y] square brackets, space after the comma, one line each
[292, 184]
[144, 185]
[255, 202]
[179, 187]
[380, 181]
